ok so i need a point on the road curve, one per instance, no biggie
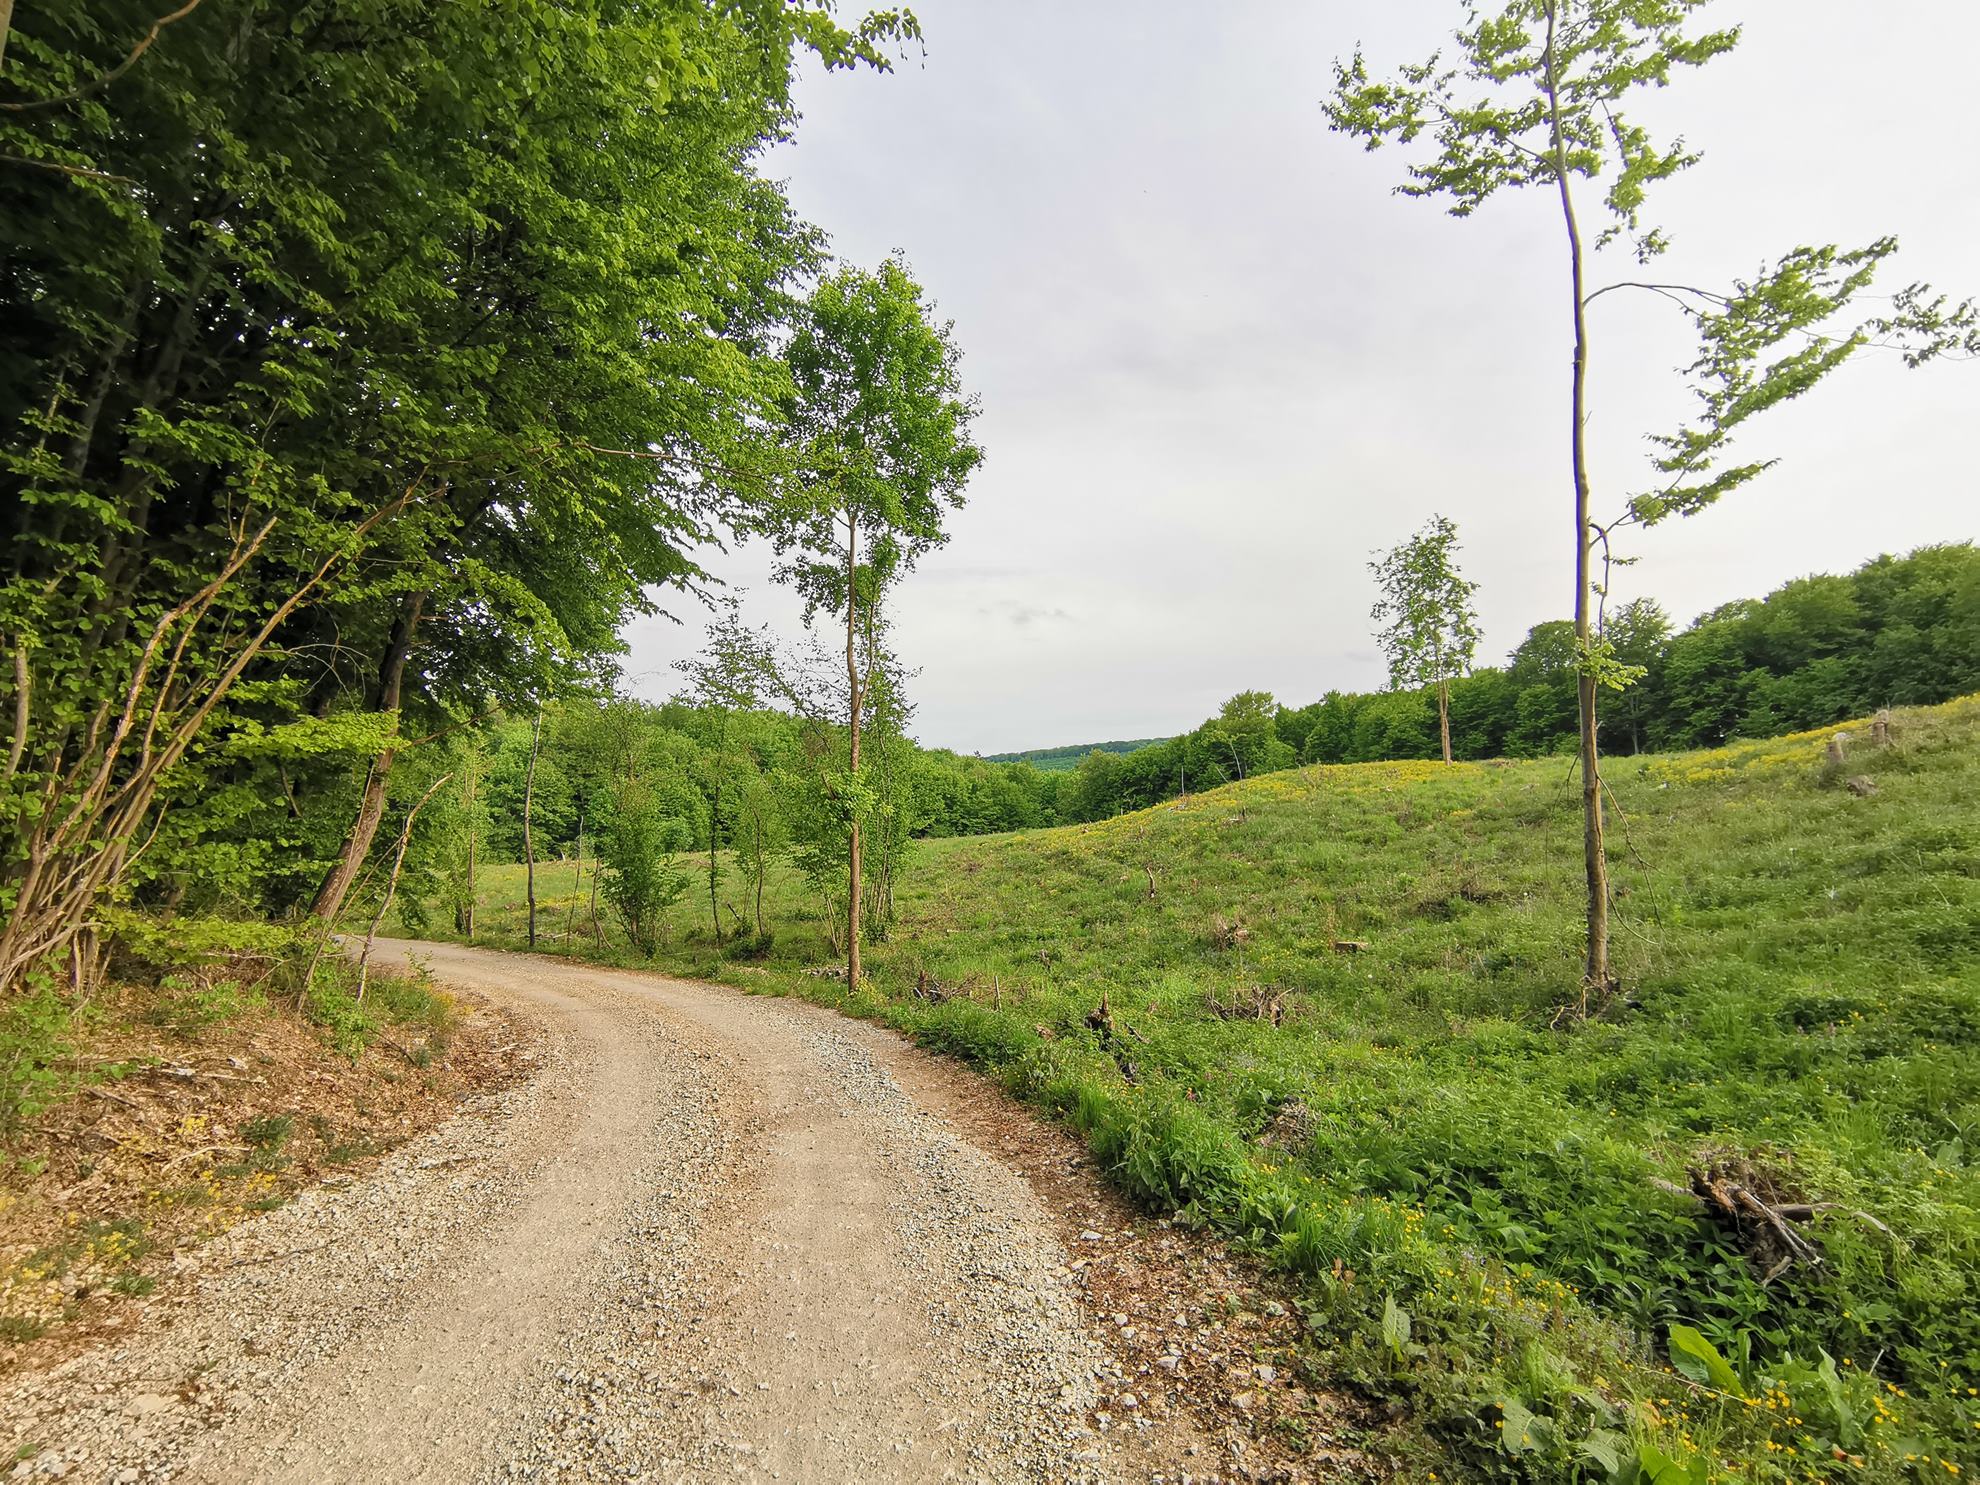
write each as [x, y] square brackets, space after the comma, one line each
[714, 1236]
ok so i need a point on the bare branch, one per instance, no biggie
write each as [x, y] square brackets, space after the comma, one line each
[114, 73]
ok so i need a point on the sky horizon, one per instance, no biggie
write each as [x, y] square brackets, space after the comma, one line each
[1221, 364]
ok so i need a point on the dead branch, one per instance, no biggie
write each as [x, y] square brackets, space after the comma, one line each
[1260, 1004]
[392, 882]
[1766, 1228]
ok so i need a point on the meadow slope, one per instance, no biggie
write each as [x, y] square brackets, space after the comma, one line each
[1340, 1023]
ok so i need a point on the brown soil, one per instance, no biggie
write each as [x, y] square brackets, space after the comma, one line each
[176, 1134]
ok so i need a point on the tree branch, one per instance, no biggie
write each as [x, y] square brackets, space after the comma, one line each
[75, 170]
[114, 73]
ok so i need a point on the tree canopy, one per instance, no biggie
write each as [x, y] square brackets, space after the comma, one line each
[429, 342]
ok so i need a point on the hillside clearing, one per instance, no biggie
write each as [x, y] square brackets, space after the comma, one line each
[1464, 1171]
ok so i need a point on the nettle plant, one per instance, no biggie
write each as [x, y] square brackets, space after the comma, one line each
[1536, 93]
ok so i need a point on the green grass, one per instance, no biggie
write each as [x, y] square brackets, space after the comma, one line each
[1462, 1179]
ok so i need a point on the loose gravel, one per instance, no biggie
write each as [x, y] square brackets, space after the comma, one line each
[712, 1237]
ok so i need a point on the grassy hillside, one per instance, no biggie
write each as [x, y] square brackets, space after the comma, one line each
[1066, 759]
[1465, 1175]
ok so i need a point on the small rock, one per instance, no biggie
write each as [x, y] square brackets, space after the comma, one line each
[1268, 1374]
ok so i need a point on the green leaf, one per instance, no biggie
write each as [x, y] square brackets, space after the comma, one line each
[1608, 1449]
[1524, 1431]
[1395, 1325]
[1847, 1432]
[1698, 1359]
[1658, 1468]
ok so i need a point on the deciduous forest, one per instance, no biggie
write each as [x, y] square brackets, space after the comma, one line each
[1578, 1050]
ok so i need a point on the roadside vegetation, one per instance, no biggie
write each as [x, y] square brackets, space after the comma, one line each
[1323, 1011]
[330, 487]
[189, 1093]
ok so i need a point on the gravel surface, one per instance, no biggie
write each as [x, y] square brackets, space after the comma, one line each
[712, 1237]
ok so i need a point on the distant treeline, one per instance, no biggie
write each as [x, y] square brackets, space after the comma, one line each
[1899, 631]
[1066, 759]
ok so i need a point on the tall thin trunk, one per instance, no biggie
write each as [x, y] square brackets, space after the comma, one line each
[529, 806]
[597, 928]
[852, 717]
[474, 834]
[371, 807]
[1594, 854]
[1444, 713]
[577, 885]
[714, 833]
[759, 880]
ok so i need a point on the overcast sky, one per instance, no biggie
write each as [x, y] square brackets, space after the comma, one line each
[1220, 362]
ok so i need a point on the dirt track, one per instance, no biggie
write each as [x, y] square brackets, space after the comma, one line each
[716, 1236]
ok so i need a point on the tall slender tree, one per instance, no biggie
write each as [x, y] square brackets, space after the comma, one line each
[528, 821]
[1537, 95]
[1429, 625]
[508, 382]
[880, 433]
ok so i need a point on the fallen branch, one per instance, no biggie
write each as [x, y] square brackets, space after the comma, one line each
[1772, 1239]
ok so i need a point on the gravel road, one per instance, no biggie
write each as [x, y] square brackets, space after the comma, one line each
[714, 1236]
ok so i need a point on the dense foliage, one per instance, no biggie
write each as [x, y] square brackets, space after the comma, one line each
[1899, 631]
[1065, 759]
[367, 365]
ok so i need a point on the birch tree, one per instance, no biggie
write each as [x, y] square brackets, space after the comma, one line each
[1429, 626]
[880, 433]
[1538, 94]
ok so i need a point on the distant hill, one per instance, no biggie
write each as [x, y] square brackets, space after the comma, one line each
[1065, 760]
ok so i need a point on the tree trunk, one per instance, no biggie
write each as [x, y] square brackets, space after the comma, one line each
[1595, 862]
[714, 833]
[759, 885]
[1444, 714]
[529, 805]
[597, 928]
[577, 885]
[371, 808]
[474, 834]
[852, 718]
